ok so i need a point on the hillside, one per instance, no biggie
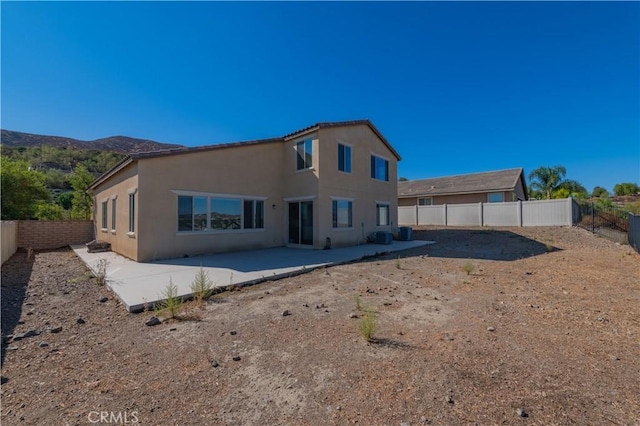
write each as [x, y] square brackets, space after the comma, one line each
[121, 144]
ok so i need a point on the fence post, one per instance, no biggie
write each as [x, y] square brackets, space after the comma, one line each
[444, 211]
[519, 212]
[481, 214]
[417, 219]
[593, 218]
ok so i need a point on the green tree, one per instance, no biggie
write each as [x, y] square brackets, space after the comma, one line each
[599, 191]
[546, 180]
[22, 189]
[82, 204]
[49, 211]
[66, 200]
[626, 188]
[402, 179]
[570, 188]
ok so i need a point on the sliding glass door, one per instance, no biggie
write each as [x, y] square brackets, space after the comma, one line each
[301, 223]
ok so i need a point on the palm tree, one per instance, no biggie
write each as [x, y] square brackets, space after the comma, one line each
[547, 179]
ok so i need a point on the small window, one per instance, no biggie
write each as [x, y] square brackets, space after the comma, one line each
[305, 157]
[113, 214]
[382, 214]
[342, 213]
[495, 197]
[132, 212]
[379, 168]
[344, 158]
[425, 201]
[104, 214]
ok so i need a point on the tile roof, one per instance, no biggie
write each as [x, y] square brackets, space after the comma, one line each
[501, 180]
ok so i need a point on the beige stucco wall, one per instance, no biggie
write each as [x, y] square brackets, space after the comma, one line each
[119, 186]
[246, 171]
[266, 170]
[357, 185]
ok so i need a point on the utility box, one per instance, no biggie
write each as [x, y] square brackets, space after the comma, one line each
[405, 233]
[384, 237]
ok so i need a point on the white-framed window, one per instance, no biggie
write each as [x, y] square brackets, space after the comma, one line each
[382, 214]
[344, 158]
[113, 214]
[218, 213]
[379, 168]
[304, 150]
[132, 212]
[105, 212]
[495, 197]
[342, 213]
[425, 201]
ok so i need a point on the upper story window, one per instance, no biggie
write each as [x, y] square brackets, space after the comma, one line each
[379, 168]
[305, 154]
[344, 158]
[495, 197]
[427, 201]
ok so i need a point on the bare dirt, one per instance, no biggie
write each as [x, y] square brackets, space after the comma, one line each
[547, 322]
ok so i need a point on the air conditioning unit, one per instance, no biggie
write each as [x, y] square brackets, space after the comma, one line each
[384, 237]
[405, 233]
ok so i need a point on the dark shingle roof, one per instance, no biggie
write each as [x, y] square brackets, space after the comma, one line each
[501, 180]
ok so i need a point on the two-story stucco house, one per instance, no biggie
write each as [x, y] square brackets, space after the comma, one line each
[331, 183]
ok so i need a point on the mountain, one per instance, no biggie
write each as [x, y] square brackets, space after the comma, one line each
[122, 144]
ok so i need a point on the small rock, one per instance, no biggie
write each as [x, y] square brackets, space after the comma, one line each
[56, 329]
[237, 358]
[103, 299]
[491, 329]
[214, 364]
[353, 316]
[233, 332]
[424, 419]
[80, 321]
[286, 313]
[20, 322]
[12, 348]
[449, 399]
[404, 424]
[520, 412]
[338, 408]
[43, 344]
[306, 305]
[173, 329]
[152, 321]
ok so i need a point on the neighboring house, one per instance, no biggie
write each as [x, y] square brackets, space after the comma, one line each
[329, 183]
[486, 187]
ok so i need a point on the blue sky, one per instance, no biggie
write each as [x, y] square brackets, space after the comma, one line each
[455, 87]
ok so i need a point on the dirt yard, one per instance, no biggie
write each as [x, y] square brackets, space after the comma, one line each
[543, 330]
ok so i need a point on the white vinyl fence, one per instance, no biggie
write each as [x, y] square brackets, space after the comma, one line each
[9, 237]
[518, 213]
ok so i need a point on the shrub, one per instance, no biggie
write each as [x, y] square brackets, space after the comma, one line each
[468, 267]
[202, 286]
[170, 302]
[367, 325]
[101, 272]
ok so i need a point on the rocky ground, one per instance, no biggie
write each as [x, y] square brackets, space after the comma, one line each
[487, 326]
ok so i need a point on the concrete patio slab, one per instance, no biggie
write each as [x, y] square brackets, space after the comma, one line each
[141, 284]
